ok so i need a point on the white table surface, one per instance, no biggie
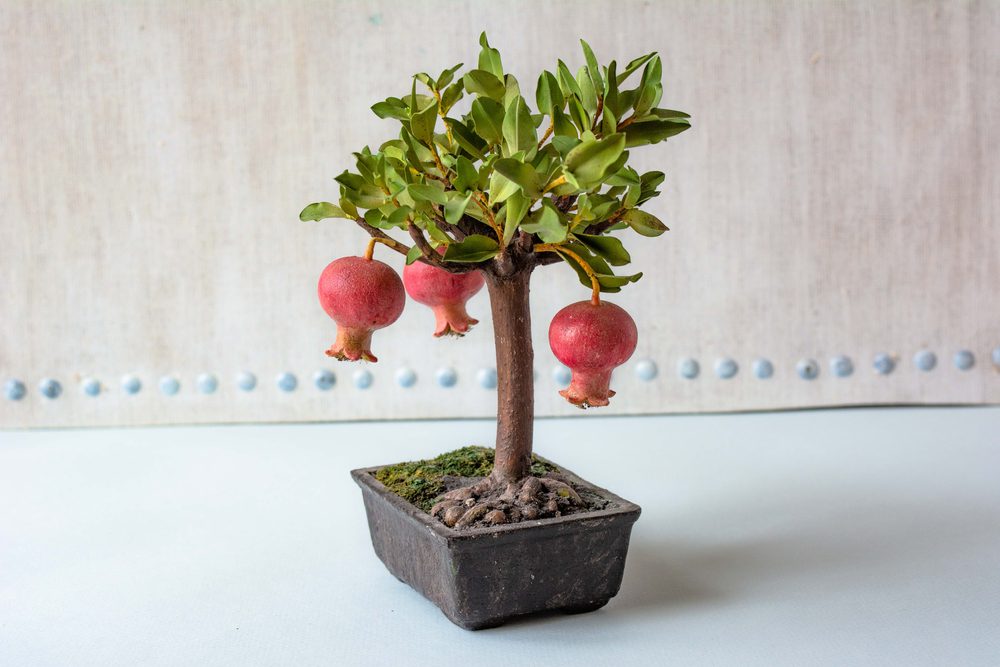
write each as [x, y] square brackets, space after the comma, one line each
[808, 538]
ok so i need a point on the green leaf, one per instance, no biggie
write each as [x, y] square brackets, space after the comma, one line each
[587, 164]
[471, 249]
[669, 113]
[562, 126]
[349, 208]
[579, 115]
[349, 180]
[455, 208]
[399, 216]
[650, 89]
[609, 123]
[467, 178]
[422, 124]
[548, 94]
[433, 231]
[632, 196]
[501, 188]
[467, 139]
[451, 95]
[567, 83]
[644, 223]
[652, 179]
[489, 58]
[392, 107]
[413, 255]
[653, 131]
[427, 192]
[374, 217]
[605, 276]
[485, 84]
[447, 76]
[425, 79]
[626, 176]
[589, 96]
[611, 100]
[518, 129]
[610, 283]
[522, 174]
[548, 223]
[488, 117]
[633, 66]
[608, 247]
[367, 196]
[517, 205]
[417, 154]
[320, 211]
[511, 90]
[593, 68]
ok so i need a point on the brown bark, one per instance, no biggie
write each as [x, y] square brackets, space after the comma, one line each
[515, 372]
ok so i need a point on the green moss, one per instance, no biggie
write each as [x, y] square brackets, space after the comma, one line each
[420, 483]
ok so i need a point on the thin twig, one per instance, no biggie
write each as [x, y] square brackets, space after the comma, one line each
[548, 131]
[595, 284]
[385, 238]
[597, 115]
[430, 255]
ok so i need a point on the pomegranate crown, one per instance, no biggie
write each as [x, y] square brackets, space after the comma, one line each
[477, 172]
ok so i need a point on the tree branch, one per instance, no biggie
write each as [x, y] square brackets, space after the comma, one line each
[421, 242]
[430, 255]
[379, 234]
[446, 226]
[403, 249]
[597, 115]
[605, 225]
[565, 202]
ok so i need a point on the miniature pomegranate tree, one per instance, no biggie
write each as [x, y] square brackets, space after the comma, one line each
[487, 190]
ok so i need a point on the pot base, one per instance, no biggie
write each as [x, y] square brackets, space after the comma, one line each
[483, 577]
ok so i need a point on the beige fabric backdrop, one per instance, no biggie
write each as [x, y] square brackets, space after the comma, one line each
[839, 194]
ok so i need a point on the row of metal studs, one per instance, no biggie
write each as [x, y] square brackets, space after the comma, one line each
[645, 369]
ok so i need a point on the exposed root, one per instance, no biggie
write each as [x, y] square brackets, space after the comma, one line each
[490, 503]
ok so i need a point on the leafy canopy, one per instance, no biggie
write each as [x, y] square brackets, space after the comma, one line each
[498, 172]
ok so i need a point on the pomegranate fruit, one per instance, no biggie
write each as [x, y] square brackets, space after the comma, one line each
[361, 295]
[446, 294]
[591, 339]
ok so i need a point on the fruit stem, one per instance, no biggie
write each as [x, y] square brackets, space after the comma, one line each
[370, 250]
[595, 297]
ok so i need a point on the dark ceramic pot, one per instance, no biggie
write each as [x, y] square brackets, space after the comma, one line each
[482, 577]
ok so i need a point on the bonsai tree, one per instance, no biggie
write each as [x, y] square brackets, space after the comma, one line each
[487, 190]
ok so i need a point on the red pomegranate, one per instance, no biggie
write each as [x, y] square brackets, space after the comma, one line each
[361, 295]
[446, 294]
[591, 339]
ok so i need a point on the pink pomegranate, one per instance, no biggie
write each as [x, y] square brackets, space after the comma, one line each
[361, 295]
[446, 294]
[591, 339]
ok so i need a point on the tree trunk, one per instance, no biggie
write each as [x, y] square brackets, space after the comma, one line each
[515, 373]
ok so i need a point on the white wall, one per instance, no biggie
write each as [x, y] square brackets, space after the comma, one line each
[838, 195]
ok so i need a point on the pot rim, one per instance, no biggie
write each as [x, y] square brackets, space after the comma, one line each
[365, 477]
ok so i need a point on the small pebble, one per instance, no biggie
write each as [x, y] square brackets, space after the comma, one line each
[472, 515]
[495, 517]
[452, 515]
[462, 493]
[442, 506]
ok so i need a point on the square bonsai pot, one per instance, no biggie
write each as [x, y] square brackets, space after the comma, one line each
[482, 577]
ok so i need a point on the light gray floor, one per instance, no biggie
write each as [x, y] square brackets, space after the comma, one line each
[832, 537]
